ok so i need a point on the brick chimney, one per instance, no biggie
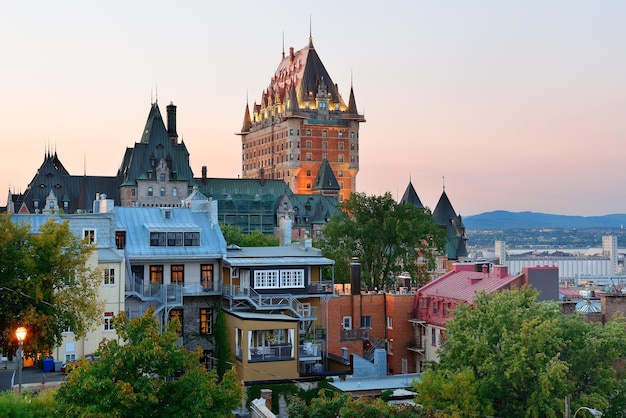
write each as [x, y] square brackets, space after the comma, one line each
[267, 395]
[171, 123]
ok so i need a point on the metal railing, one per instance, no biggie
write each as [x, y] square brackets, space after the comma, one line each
[355, 334]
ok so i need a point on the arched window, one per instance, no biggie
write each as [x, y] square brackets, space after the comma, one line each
[149, 191]
[174, 192]
[162, 191]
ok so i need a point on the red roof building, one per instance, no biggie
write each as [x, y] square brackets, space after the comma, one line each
[434, 303]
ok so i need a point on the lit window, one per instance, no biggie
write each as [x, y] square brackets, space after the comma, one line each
[206, 321]
[156, 274]
[206, 277]
[177, 314]
[178, 274]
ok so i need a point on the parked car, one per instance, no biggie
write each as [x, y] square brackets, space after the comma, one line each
[67, 366]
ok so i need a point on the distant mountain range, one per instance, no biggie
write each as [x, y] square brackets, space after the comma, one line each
[501, 219]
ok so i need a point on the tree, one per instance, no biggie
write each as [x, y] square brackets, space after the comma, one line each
[387, 237]
[234, 235]
[46, 284]
[147, 375]
[345, 406]
[513, 356]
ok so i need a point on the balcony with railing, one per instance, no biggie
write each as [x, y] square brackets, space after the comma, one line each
[355, 334]
[416, 345]
[171, 294]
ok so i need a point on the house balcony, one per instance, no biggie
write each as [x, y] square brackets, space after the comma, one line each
[245, 297]
[416, 318]
[278, 352]
[156, 293]
[355, 334]
[416, 346]
[199, 289]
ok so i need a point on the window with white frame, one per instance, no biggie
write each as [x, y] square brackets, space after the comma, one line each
[390, 322]
[89, 235]
[108, 321]
[347, 322]
[292, 278]
[109, 276]
[265, 279]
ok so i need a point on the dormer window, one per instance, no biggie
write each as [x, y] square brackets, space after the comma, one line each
[162, 177]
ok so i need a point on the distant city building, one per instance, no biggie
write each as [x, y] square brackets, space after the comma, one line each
[302, 121]
[609, 249]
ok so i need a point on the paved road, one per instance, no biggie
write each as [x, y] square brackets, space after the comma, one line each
[29, 375]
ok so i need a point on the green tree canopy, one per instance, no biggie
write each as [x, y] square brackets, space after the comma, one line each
[147, 375]
[234, 235]
[387, 237]
[45, 283]
[513, 356]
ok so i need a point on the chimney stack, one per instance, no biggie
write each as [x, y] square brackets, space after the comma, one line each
[267, 395]
[355, 276]
[204, 177]
[171, 123]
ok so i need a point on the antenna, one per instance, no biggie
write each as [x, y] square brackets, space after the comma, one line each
[283, 44]
[443, 179]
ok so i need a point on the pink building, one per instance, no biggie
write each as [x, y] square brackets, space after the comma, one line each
[436, 301]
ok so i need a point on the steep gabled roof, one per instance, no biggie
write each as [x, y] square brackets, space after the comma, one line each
[444, 211]
[154, 145]
[305, 69]
[325, 179]
[410, 196]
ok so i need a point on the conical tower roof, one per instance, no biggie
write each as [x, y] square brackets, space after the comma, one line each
[410, 196]
[325, 179]
[247, 121]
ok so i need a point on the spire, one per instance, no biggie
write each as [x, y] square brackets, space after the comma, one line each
[310, 34]
[352, 109]
[247, 121]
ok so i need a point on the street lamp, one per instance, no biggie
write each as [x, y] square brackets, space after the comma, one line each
[592, 411]
[20, 333]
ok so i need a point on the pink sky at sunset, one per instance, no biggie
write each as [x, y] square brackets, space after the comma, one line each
[519, 104]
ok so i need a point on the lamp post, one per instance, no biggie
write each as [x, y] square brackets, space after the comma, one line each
[592, 411]
[20, 333]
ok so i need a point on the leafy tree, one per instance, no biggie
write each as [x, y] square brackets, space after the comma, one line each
[345, 406]
[234, 235]
[147, 375]
[513, 356]
[46, 285]
[387, 237]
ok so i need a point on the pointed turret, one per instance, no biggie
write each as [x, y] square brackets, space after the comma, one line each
[326, 183]
[456, 239]
[352, 109]
[247, 121]
[410, 196]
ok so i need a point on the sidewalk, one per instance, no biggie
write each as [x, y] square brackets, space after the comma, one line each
[33, 378]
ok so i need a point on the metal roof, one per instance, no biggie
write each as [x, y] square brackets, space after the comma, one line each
[263, 316]
[294, 254]
[138, 221]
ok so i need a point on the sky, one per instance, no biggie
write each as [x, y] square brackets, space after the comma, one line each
[511, 105]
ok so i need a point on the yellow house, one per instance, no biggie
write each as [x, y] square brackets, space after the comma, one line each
[273, 297]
